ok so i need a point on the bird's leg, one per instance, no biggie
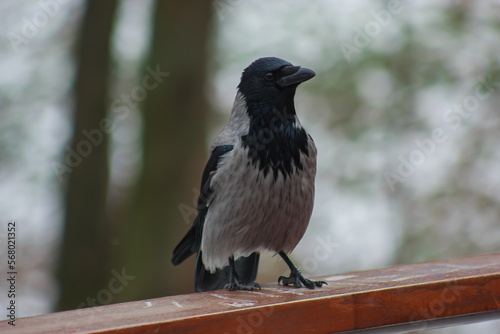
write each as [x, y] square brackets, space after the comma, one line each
[235, 282]
[296, 278]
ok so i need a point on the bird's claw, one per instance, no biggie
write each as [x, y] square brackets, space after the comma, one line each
[293, 280]
[237, 285]
[298, 280]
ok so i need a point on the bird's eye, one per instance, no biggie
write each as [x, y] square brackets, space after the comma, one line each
[269, 76]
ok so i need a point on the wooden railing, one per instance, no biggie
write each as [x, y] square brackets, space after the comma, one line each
[391, 300]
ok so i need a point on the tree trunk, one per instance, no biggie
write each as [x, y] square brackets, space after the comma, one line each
[174, 151]
[84, 267]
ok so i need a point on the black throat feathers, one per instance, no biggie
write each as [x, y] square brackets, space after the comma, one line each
[275, 141]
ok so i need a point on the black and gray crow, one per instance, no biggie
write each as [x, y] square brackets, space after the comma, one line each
[257, 189]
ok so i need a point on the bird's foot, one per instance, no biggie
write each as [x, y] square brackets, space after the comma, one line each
[237, 285]
[297, 279]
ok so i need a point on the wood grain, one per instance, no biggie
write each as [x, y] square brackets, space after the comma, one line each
[404, 298]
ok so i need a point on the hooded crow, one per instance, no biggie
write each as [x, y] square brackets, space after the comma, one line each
[257, 189]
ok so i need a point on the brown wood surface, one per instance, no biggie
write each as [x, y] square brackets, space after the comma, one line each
[407, 297]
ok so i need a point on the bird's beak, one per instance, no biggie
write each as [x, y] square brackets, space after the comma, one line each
[294, 75]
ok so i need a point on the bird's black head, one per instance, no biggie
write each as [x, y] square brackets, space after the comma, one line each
[274, 141]
[272, 82]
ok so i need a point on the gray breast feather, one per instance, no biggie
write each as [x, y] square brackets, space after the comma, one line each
[252, 212]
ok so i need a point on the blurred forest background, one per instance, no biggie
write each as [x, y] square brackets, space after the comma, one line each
[108, 109]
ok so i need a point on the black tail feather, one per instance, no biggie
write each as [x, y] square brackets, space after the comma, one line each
[246, 267]
[186, 247]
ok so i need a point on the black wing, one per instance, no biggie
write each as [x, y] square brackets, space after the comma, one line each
[191, 242]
